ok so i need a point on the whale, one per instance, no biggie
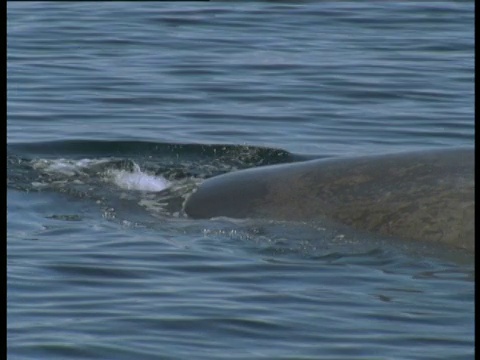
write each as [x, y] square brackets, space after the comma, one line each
[426, 196]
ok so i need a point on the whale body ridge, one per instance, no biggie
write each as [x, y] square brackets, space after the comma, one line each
[421, 195]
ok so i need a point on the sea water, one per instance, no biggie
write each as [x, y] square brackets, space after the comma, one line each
[117, 111]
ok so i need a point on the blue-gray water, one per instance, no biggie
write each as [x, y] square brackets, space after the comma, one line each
[186, 91]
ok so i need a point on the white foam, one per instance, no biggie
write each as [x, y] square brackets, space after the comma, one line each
[136, 180]
[139, 180]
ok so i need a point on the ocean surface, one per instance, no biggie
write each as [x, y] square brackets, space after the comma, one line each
[117, 111]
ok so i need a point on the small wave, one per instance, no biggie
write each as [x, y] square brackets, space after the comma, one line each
[66, 167]
[241, 155]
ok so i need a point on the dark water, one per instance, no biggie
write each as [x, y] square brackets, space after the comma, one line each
[108, 98]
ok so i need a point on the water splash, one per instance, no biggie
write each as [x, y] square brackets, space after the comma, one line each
[132, 178]
[139, 180]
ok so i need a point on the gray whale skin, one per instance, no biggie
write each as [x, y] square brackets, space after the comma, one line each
[424, 196]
